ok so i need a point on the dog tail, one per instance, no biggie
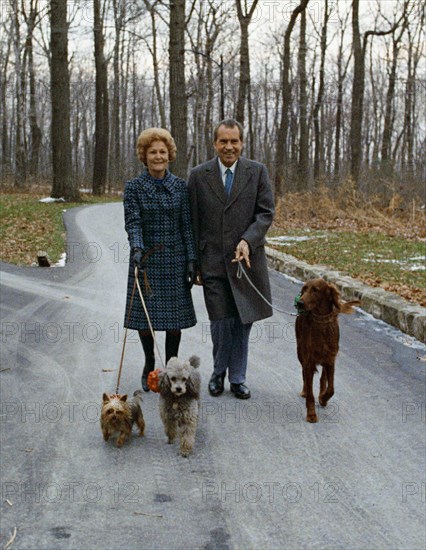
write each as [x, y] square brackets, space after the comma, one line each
[194, 361]
[347, 307]
[138, 394]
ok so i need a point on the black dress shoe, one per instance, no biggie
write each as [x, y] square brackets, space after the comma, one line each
[240, 391]
[216, 384]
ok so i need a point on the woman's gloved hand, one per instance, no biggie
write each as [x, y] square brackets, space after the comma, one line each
[191, 273]
[138, 259]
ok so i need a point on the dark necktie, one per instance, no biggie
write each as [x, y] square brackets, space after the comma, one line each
[228, 181]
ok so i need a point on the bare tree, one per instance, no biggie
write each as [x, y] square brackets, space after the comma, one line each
[410, 110]
[63, 181]
[319, 100]
[20, 74]
[31, 20]
[244, 18]
[281, 150]
[151, 7]
[358, 87]
[342, 68]
[4, 63]
[178, 99]
[390, 94]
[303, 166]
[100, 165]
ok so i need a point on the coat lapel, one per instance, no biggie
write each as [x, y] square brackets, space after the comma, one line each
[214, 180]
[242, 177]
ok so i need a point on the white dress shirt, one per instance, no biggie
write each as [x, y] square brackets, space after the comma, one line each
[224, 168]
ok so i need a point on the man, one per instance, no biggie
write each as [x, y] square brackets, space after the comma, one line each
[232, 208]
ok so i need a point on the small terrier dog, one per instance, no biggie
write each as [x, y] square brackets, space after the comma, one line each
[119, 414]
[179, 385]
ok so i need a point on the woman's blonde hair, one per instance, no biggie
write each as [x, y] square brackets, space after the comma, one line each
[155, 134]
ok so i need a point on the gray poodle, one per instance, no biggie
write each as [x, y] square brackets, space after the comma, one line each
[179, 387]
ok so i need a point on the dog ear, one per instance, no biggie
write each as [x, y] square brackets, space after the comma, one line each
[193, 384]
[164, 382]
[123, 398]
[334, 296]
[106, 398]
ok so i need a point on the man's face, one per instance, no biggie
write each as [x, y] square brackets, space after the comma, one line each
[228, 145]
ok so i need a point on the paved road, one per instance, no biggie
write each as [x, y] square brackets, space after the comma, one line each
[260, 476]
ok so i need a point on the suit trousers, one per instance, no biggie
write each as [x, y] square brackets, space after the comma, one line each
[230, 339]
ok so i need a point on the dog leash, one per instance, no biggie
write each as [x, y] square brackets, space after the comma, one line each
[148, 318]
[241, 271]
[125, 338]
[148, 289]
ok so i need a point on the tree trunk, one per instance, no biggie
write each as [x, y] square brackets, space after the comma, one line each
[359, 50]
[244, 19]
[357, 94]
[115, 157]
[318, 103]
[100, 165]
[154, 52]
[388, 122]
[303, 167]
[35, 132]
[281, 151]
[178, 99]
[63, 181]
[20, 72]
[5, 157]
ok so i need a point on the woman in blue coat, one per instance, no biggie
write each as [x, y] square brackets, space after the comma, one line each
[158, 222]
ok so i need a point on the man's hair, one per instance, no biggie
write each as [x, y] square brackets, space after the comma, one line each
[229, 123]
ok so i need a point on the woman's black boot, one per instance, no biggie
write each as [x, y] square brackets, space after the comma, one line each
[148, 347]
[172, 343]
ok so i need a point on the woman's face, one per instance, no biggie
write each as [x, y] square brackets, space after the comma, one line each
[157, 159]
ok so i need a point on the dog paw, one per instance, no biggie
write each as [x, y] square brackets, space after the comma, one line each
[185, 452]
[323, 402]
[312, 418]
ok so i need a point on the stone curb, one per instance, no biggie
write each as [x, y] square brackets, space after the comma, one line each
[387, 306]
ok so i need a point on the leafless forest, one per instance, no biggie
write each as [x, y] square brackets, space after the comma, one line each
[328, 92]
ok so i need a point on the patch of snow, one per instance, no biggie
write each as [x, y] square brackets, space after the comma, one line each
[51, 199]
[287, 240]
[61, 261]
[414, 258]
[380, 326]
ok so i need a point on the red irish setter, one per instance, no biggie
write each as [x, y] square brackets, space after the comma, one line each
[317, 336]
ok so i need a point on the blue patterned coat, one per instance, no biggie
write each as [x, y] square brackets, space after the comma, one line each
[157, 212]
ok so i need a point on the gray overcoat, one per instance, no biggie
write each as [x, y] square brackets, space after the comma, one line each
[219, 223]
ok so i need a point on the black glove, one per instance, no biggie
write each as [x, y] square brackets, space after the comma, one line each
[138, 259]
[191, 273]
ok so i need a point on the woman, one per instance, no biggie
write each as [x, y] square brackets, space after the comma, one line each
[156, 213]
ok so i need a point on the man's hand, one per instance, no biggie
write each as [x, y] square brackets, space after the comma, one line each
[242, 252]
[198, 279]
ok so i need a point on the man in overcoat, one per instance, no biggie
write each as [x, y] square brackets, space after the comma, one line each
[232, 208]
